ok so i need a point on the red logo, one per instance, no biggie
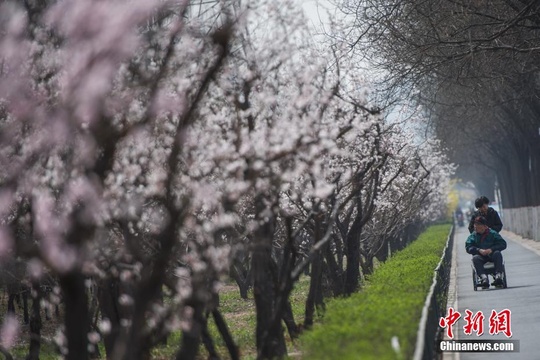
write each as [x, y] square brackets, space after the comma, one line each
[499, 322]
[448, 321]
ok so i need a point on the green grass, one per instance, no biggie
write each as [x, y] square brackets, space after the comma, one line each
[240, 317]
[390, 305]
[362, 326]
[47, 352]
[241, 320]
[239, 314]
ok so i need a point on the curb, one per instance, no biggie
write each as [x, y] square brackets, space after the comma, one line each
[432, 303]
[452, 300]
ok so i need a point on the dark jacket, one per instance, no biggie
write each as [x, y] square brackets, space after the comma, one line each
[493, 220]
[488, 240]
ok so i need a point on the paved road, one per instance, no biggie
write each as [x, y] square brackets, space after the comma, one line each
[522, 298]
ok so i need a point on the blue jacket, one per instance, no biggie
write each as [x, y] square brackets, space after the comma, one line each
[488, 240]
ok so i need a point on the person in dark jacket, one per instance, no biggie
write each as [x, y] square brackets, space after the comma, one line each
[485, 245]
[483, 209]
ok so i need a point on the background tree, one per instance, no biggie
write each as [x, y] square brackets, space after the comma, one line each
[147, 143]
[472, 64]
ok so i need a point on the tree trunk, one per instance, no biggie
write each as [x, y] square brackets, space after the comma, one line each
[534, 193]
[288, 318]
[24, 298]
[243, 281]
[77, 322]
[270, 344]
[207, 340]
[270, 339]
[191, 338]
[515, 179]
[315, 291]
[226, 335]
[335, 272]
[108, 295]
[35, 325]
[352, 272]
[384, 250]
[367, 264]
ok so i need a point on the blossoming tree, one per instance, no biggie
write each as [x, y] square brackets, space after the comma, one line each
[146, 143]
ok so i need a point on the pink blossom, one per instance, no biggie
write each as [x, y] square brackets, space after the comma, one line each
[9, 331]
[6, 242]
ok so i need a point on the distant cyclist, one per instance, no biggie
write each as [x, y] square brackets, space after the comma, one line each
[490, 214]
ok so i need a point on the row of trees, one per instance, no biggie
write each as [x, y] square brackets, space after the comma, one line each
[151, 148]
[474, 66]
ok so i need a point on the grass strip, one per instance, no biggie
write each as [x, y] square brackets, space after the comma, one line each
[390, 305]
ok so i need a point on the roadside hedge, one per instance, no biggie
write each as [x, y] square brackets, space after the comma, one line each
[390, 305]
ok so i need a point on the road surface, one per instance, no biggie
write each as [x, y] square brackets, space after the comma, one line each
[522, 298]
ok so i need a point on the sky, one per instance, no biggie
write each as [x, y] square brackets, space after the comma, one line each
[317, 10]
[319, 13]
